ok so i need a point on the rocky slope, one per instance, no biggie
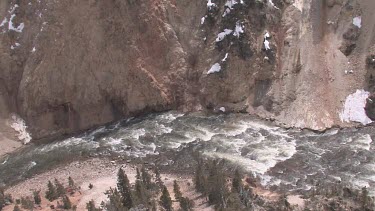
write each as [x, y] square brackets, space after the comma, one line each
[66, 66]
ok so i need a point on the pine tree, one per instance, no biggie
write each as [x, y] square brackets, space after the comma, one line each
[138, 176]
[153, 206]
[60, 190]
[90, 206]
[123, 186]
[177, 191]
[186, 204]
[2, 198]
[66, 203]
[364, 197]
[217, 189]
[71, 183]
[165, 200]
[158, 180]
[237, 182]
[115, 201]
[146, 178]
[16, 208]
[91, 186]
[200, 180]
[141, 192]
[37, 198]
[51, 192]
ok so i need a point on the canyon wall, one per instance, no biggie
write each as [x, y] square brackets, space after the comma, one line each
[67, 66]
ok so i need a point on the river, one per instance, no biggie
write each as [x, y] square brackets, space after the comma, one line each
[294, 160]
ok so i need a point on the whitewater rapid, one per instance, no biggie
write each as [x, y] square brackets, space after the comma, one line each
[292, 159]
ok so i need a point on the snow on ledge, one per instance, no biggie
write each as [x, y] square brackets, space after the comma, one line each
[223, 34]
[354, 108]
[210, 4]
[19, 125]
[266, 42]
[214, 69]
[357, 21]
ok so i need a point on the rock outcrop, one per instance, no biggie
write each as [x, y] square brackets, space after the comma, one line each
[66, 66]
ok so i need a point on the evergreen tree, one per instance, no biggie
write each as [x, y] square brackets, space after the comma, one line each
[153, 206]
[60, 190]
[158, 180]
[123, 186]
[16, 208]
[91, 186]
[138, 176]
[90, 206]
[27, 203]
[199, 179]
[141, 192]
[186, 204]
[66, 202]
[237, 182]
[51, 192]
[364, 197]
[146, 178]
[71, 183]
[177, 191]
[37, 198]
[2, 198]
[165, 200]
[217, 189]
[115, 201]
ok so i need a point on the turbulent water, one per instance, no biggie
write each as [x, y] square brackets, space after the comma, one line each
[291, 159]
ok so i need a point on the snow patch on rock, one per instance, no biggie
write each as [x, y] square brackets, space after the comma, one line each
[266, 42]
[272, 4]
[238, 30]
[19, 125]
[214, 69]
[223, 34]
[357, 21]
[225, 58]
[210, 4]
[354, 108]
[19, 28]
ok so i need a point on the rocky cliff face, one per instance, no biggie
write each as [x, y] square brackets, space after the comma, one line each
[66, 66]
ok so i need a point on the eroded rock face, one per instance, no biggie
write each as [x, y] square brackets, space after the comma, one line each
[78, 64]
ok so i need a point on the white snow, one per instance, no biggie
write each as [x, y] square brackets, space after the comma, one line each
[230, 3]
[20, 127]
[357, 21]
[225, 57]
[267, 45]
[12, 9]
[222, 35]
[203, 19]
[272, 4]
[266, 42]
[15, 46]
[210, 4]
[4, 22]
[214, 69]
[354, 108]
[349, 71]
[226, 12]
[11, 26]
[266, 35]
[238, 30]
